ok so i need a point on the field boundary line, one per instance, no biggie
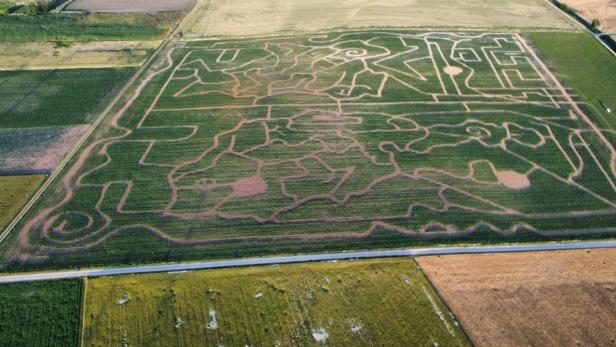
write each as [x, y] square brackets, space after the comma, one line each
[305, 258]
[87, 135]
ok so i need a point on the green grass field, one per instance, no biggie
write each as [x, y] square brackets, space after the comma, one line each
[40, 313]
[327, 142]
[14, 193]
[56, 97]
[584, 65]
[272, 306]
[80, 27]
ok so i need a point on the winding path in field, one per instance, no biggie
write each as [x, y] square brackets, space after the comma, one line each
[278, 260]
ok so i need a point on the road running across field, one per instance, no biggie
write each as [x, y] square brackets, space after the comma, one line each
[278, 260]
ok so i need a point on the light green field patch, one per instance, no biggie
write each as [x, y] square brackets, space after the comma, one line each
[14, 193]
[292, 305]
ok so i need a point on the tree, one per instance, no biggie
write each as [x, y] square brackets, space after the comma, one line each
[38, 7]
[595, 23]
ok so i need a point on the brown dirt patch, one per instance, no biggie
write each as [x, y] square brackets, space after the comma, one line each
[452, 70]
[39, 150]
[250, 186]
[603, 10]
[512, 179]
[563, 298]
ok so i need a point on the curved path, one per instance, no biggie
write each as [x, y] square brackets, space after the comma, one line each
[277, 260]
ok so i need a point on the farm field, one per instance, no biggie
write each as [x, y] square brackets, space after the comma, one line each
[241, 18]
[40, 313]
[65, 28]
[14, 193]
[96, 54]
[545, 298]
[291, 305]
[328, 142]
[139, 6]
[37, 150]
[56, 97]
[585, 66]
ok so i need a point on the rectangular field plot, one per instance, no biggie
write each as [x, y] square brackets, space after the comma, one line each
[265, 17]
[338, 304]
[14, 193]
[40, 313]
[324, 141]
[55, 97]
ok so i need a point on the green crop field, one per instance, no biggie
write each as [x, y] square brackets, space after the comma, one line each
[40, 313]
[583, 64]
[14, 193]
[56, 97]
[323, 142]
[81, 27]
[339, 304]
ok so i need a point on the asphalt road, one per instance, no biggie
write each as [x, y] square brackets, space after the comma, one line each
[412, 252]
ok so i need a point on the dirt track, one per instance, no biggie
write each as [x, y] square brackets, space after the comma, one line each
[562, 298]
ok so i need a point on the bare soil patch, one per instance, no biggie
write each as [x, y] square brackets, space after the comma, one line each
[134, 6]
[250, 186]
[561, 298]
[38, 149]
[603, 10]
[512, 179]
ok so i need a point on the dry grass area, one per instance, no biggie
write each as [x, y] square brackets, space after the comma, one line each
[96, 54]
[542, 299]
[380, 302]
[258, 17]
[14, 193]
[603, 10]
[133, 6]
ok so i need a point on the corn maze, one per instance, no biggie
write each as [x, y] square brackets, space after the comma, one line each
[332, 137]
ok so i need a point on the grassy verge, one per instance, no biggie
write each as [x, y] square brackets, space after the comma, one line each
[291, 305]
[40, 313]
[14, 192]
[81, 27]
[55, 97]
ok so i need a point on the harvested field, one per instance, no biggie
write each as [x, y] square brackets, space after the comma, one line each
[14, 193]
[238, 17]
[371, 139]
[603, 10]
[36, 149]
[40, 314]
[97, 54]
[56, 97]
[123, 6]
[561, 298]
[337, 304]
